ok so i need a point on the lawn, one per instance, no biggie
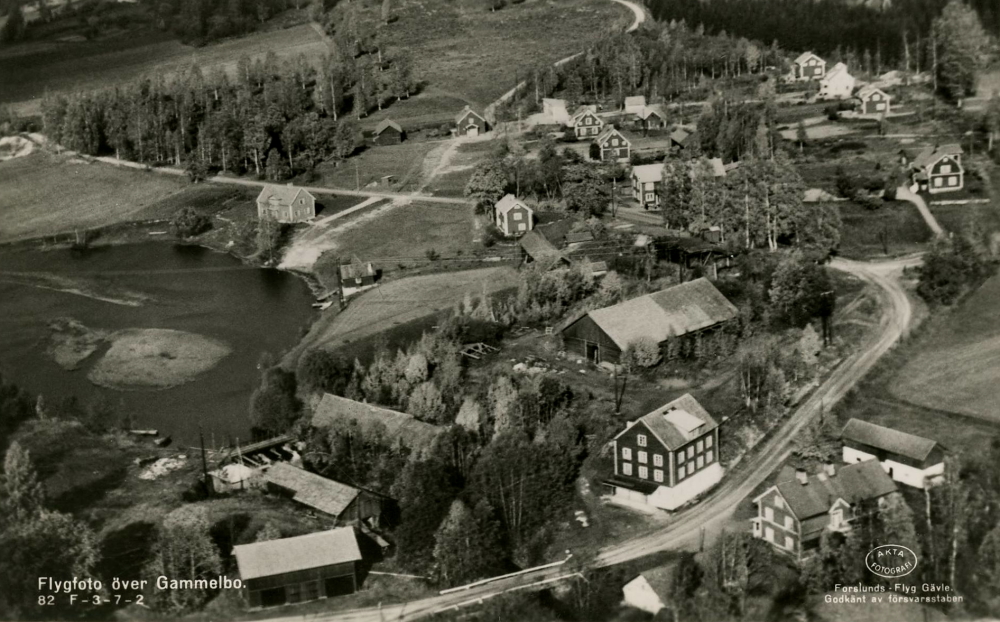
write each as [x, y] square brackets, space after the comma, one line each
[463, 49]
[32, 69]
[366, 169]
[42, 194]
[863, 230]
[956, 367]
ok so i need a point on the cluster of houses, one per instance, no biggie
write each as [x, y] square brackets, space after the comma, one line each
[838, 83]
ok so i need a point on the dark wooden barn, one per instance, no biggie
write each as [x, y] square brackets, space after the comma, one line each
[388, 132]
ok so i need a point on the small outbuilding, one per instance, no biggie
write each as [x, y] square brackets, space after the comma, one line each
[388, 132]
[347, 504]
[907, 458]
[300, 569]
[873, 100]
[357, 276]
[470, 123]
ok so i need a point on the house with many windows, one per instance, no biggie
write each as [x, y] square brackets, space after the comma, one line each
[808, 66]
[287, 204]
[666, 458]
[513, 217]
[938, 169]
[907, 458]
[585, 123]
[646, 182]
[793, 514]
[613, 145]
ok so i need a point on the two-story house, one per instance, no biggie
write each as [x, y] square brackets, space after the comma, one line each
[793, 514]
[909, 459]
[873, 100]
[838, 83]
[808, 66]
[585, 123]
[938, 169]
[613, 145]
[646, 182]
[666, 458]
[513, 217]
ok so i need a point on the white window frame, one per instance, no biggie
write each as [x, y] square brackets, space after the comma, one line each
[945, 168]
[709, 440]
[953, 181]
[701, 461]
[643, 457]
[626, 453]
[769, 514]
[627, 468]
[789, 543]
[938, 182]
[643, 472]
[522, 227]
[681, 472]
[518, 215]
[657, 460]
[709, 455]
[640, 440]
[769, 534]
[789, 523]
[690, 451]
[701, 446]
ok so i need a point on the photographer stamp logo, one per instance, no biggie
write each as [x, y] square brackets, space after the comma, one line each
[891, 561]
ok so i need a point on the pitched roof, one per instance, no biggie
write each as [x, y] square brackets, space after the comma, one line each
[853, 483]
[674, 311]
[357, 269]
[310, 489]
[803, 57]
[646, 173]
[314, 550]
[678, 422]
[556, 108]
[537, 247]
[575, 237]
[582, 112]
[679, 135]
[610, 131]
[334, 410]
[868, 90]
[661, 580]
[466, 111]
[509, 202]
[283, 195]
[932, 154]
[635, 100]
[648, 111]
[888, 439]
[833, 72]
[386, 124]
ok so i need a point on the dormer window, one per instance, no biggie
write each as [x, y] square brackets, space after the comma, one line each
[641, 440]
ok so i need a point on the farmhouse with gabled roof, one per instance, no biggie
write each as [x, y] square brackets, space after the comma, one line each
[646, 182]
[613, 145]
[585, 123]
[513, 217]
[603, 334]
[667, 457]
[287, 204]
[793, 514]
[873, 100]
[808, 66]
[907, 458]
[347, 504]
[470, 123]
[938, 169]
[838, 83]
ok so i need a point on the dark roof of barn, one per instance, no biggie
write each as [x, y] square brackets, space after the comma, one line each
[853, 483]
[335, 411]
[386, 124]
[671, 312]
[661, 422]
[311, 489]
[579, 236]
[538, 248]
[888, 439]
[284, 555]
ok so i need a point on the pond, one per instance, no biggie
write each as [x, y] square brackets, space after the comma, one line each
[152, 286]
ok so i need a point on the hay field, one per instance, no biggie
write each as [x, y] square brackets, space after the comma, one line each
[957, 369]
[42, 194]
[81, 66]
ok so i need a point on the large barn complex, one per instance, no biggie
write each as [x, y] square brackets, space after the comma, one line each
[603, 334]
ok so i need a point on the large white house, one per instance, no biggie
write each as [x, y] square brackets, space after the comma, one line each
[838, 83]
[666, 458]
[646, 181]
[907, 458]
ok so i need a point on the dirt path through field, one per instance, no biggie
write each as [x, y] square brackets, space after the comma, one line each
[904, 194]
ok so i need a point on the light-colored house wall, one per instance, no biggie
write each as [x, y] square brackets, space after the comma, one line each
[902, 473]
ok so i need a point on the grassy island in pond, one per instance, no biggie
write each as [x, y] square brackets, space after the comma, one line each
[155, 358]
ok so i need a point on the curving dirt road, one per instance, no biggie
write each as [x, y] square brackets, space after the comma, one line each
[905, 194]
[713, 512]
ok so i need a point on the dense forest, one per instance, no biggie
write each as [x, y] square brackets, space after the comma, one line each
[826, 26]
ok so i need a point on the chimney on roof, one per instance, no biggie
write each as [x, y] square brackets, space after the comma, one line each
[830, 469]
[802, 476]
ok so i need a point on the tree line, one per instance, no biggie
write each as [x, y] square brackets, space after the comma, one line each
[272, 118]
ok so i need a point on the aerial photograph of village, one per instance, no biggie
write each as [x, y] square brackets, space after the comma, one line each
[500, 310]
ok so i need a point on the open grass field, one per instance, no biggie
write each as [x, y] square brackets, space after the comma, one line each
[861, 236]
[404, 161]
[43, 194]
[55, 66]
[463, 48]
[399, 302]
[957, 366]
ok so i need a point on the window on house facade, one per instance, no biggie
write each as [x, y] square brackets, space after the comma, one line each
[709, 440]
[521, 227]
[680, 473]
[769, 514]
[779, 502]
[701, 446]
[946, 168]
[690, 451]
[658, 475]
[627, 468]
[517, 215]
[789, 524]
[937, 182]
[708, 456]
[701, 461]
[642, 457]
[680, 457]
[657, 460]
[643, 472]
[789, 543]
[953, 181]
[626, 453]
[640, 440]
[769, 534]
